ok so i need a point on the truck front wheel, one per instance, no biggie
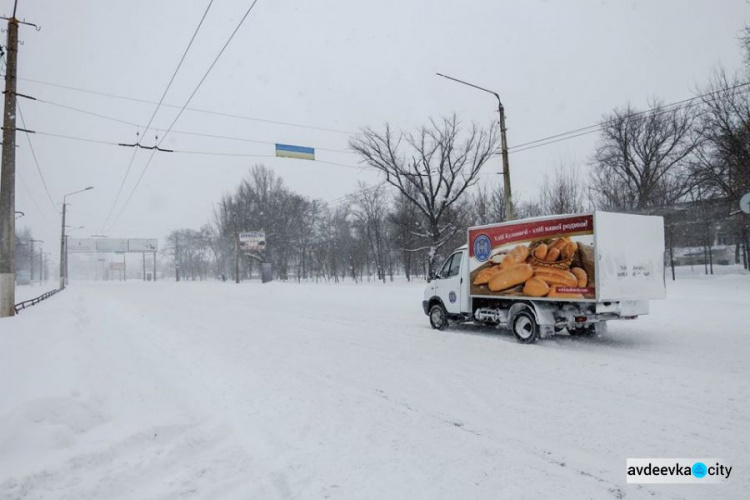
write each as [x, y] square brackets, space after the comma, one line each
[525, 328]
[438, 317]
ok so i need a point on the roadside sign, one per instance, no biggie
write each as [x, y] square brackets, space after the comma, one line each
[252, 241]
[745, 203]
[290, 151]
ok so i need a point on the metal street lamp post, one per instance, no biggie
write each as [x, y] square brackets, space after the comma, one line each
[63, 253]
[503, 145]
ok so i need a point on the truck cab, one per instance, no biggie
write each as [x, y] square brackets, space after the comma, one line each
[445, 296]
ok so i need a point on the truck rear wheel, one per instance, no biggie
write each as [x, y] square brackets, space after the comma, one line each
[438, 317]
[525, 328]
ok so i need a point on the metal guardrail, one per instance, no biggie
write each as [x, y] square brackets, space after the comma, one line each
[32, 302]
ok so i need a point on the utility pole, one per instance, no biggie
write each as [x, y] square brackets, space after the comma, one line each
[509, 215]
[8, 179]
[67, 269]
[8, 173]
[62, 249]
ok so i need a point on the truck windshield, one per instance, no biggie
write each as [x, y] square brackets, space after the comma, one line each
[451, 266]
[446, 269]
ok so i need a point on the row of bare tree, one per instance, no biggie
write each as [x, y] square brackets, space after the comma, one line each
[645, 159]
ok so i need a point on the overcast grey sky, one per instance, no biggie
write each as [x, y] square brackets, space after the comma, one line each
[335, 64]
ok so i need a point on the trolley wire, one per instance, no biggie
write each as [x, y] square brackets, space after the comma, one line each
[156, 110]
[182, 109]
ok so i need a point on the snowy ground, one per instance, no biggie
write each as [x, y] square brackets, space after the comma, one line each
[210, 390]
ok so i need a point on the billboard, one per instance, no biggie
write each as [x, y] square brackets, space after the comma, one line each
[81, 245]
[252, 241]
[143, 245]
[111, 245]
[545, 258]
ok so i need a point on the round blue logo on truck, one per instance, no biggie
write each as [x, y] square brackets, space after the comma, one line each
[452, 297]
[482, 247]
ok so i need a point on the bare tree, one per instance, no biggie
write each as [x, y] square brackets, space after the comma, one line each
[722, 163]
[370, 209]
[406, 222]
[563, 193]
[642, 157]
[432, 168]
[487, 206]
[745, 43]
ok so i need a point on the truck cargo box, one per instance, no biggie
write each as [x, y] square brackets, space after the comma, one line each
[597, 257]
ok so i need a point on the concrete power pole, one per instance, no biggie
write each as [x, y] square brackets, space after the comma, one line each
[509, 215]
[62, 250]
[8, 173]
[8, 180]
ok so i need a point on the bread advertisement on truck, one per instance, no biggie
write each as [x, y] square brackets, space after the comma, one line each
[549, 258]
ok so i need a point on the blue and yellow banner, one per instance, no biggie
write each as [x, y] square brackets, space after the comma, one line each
[289, 151]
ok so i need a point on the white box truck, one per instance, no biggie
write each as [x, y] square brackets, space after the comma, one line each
[540, 276]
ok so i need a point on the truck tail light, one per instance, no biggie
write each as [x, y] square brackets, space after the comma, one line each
[581, 319]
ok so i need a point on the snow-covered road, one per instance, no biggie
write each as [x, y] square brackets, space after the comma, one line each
[212, 390]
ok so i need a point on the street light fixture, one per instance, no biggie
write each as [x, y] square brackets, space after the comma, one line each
[503, 144]
[63, 253]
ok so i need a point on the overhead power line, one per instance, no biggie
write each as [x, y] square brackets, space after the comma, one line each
[193, 110]
[36, 160]
[156, 110]
[180, 132]
[33, 200]
[182, 109]
[178, 151]
[571, 134]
